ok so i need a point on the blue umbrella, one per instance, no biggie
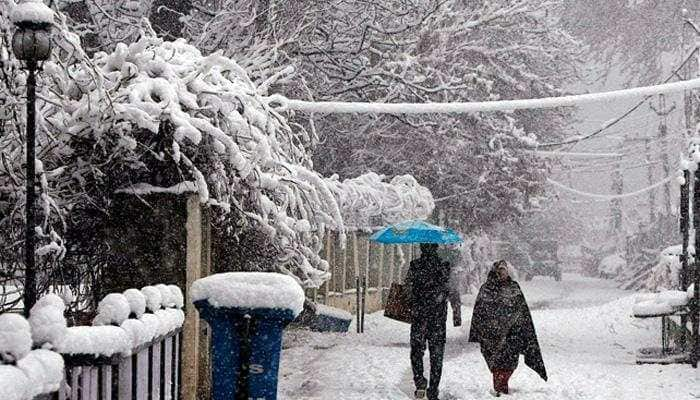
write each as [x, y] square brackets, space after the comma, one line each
[415, 232]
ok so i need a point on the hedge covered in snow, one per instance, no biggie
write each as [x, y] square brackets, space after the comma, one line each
[156, 117]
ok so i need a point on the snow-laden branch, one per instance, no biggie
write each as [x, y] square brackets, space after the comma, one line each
[663, 182]
[338, 107]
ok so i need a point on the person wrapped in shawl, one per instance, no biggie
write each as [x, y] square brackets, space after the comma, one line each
[502, 325]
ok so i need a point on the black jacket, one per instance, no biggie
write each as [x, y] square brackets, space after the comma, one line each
[502, 324]
[428, 278]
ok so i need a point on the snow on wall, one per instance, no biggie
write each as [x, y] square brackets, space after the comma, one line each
[250, 290]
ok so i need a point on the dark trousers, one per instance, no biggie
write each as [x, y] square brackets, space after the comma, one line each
[433, 333]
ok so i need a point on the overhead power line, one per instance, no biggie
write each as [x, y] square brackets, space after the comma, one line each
[608, 197]
[614, 121]
[339, 107]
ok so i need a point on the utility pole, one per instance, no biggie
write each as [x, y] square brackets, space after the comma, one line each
[617, 203]
[662, 112]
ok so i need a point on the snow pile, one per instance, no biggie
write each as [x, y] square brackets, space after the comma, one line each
[154, 299]
[96, 340]
[30, 373]
[166, 295]
[44, 368]
[47, 321]
[178, 298]
[612, 265]
[250, 290]
[137, 302]
[322, 309]
[34, 11]
[368, 201]
[113, 309]
[137, 331]
[655, 304]
[169, 320]
[115, 333]
[15, 337]
[14, 384]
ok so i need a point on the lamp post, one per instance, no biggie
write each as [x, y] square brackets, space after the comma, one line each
[31, 43]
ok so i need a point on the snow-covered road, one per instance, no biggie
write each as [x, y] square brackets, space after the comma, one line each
[587, 336]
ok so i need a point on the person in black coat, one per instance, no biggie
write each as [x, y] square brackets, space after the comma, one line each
[428, 279]
[502, 325]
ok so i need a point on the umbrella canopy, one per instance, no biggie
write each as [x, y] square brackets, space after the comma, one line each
[415, 232]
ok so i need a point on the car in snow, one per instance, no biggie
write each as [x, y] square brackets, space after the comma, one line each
[541, 268]
[542, 261]
[538, 258]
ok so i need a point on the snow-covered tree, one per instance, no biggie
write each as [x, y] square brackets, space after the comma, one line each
[403, 50]
[156, 119]
[636, 38]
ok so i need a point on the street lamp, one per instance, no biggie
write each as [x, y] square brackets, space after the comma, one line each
[31, 43]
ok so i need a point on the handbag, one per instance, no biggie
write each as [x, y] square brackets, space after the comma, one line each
[398, 304]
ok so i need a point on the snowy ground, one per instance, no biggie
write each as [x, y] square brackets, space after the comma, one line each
[587, 336]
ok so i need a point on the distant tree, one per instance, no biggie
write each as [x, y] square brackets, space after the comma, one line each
[636, 38]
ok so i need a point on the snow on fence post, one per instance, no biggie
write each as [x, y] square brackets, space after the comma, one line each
[25, 373]
[120, 356]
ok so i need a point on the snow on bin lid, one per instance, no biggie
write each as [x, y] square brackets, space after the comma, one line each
[32, 11]
[250, 290]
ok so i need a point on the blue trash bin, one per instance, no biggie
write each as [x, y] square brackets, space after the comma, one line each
[231, 350]
[247, 312]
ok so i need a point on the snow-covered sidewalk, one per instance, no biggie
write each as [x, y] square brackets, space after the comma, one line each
[585, 328]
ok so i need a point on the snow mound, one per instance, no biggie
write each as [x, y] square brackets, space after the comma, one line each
[15, 337]
[250, 290]
[322, 309]
[48, 324]
[32, 11]
[14, 384]
[654, 304]
[177, 296]
[137, 301]
[96, 340]
[166, 295]
[154, 299]
[53, 300]
[137, 332]
[44, 369]
[113, 309]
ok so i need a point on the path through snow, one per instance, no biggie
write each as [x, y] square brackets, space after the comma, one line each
[587, 336]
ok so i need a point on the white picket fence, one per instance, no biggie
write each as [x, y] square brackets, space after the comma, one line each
[132, 353]
[151, 372]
